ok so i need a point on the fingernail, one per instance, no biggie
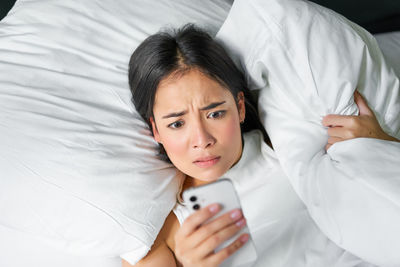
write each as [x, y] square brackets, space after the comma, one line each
[244, 238]
[214, 208]
[235, 214]
[241, 223]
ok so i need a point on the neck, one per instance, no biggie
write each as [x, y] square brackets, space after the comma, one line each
[193, 182]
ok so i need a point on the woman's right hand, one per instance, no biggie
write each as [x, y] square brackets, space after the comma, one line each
[195, 241]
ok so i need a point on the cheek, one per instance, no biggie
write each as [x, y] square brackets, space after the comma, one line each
[175, 147]
[230, 133]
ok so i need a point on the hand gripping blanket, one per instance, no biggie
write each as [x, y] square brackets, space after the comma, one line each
[307, 62]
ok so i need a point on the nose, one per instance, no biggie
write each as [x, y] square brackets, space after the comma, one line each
[201, 137]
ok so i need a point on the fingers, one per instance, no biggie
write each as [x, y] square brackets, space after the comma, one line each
[339, 128]
[196, 219]
[218, 227]
[198, 238]
[216, 239]
[342, 127]
[327, 146]
[340, 134]
[332, 140]
[333, 120]
[362, 104]
[223, 254]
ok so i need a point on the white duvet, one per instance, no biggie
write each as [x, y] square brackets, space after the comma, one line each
[308, 61]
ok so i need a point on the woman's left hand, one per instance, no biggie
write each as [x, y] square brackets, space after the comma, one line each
[343, 127]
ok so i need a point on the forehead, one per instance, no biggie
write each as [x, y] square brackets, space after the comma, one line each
[191, 88]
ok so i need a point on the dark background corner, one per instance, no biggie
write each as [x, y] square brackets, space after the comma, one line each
[374, 15]
[5, 6]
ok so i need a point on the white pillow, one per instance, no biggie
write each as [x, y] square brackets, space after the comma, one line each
[79, 171]
[390, 45]
[308, 61]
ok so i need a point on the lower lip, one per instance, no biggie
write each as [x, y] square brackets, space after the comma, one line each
[208, 163]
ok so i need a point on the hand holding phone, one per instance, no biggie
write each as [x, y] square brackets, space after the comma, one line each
[207, 239]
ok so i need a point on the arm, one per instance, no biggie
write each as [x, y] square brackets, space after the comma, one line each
[193, 242]
[160, 254]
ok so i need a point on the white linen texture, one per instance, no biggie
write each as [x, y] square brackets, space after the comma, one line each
[80, 179]
[307, 61]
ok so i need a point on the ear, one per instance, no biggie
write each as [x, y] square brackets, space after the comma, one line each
[241, 106]
[155, 131]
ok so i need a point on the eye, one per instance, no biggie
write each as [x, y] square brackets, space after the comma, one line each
[175, 125]
[216, 114]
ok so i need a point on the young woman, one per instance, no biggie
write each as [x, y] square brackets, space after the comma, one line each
[201, 113]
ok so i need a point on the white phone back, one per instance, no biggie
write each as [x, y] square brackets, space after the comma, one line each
[223, 193]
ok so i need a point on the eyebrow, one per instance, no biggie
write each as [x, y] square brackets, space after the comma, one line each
[178, 114]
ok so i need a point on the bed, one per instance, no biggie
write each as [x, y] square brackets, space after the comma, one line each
[80, 182]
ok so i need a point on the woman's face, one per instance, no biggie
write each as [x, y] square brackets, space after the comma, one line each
[198, 123]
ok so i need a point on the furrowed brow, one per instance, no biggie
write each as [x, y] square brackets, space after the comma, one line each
[175, 114]
[178, 114]
[212, 105]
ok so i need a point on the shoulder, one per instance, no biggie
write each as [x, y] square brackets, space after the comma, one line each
[162, 251]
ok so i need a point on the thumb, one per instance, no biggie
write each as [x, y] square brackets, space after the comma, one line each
[362, 104]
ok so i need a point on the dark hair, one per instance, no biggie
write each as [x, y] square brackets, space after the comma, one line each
[177, 52]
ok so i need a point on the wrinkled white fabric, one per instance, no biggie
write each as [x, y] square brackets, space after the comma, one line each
[283, 232]
[389, 43]
[308, 61]
[79, 174]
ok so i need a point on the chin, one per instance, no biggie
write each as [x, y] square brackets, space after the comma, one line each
[210, 175]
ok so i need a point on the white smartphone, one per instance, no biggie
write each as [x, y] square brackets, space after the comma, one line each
[223, 193]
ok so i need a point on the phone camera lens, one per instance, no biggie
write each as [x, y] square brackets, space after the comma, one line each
[196, 206]
[193, 198]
